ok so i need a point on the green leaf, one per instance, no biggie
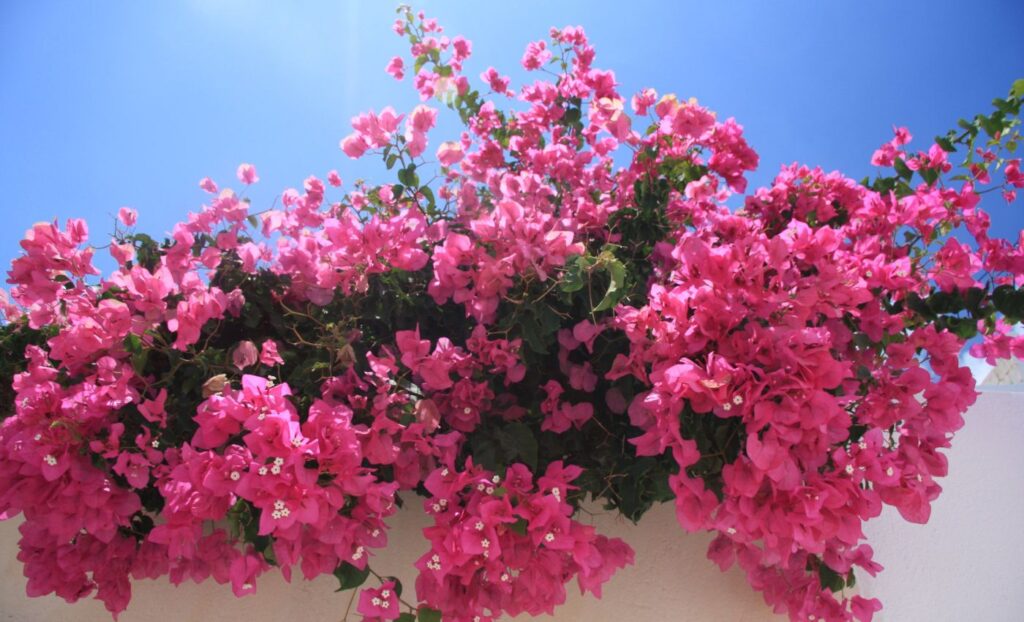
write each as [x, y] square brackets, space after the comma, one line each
[420, 61]
[139, 360]
[133, 343]
[485, 452]
[426, 614]
[945, 302]
[349, 576]
[398, 585]
[574, 278]
[830, 579]
[1009, 302]
[617, 271]
[945, 143]
[406, 617]
[929, 175]
[428, 194]
[902, 169]
[963, 327]
[519, 526]
[518, 441]
[538, 327]
[1017, 90]
[408, 176]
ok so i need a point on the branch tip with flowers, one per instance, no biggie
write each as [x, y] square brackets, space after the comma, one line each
[561, 310]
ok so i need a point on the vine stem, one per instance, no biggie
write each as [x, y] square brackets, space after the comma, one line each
[348, 608]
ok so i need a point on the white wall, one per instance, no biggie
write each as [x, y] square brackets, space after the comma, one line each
[963, 565]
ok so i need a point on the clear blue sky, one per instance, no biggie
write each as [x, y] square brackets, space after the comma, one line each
[104, 104]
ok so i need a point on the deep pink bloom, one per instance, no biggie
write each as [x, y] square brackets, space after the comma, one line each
[269, 355]
[247, 174]
[127, 216]
[244, 354]
[208, 185]
[396, 68]
[449, 153]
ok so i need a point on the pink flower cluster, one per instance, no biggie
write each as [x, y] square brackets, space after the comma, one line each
[793, 326]
[508, 545]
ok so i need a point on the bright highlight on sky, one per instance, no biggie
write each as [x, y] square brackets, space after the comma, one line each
[125, 103]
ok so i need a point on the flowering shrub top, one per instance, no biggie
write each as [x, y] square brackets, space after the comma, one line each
[556, 305]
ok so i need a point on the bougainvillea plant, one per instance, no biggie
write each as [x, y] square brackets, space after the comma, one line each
[556, 307]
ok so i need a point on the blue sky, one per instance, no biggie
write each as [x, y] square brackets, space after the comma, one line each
[131, 103]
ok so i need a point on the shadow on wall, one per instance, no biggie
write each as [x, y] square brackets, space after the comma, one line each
[963, 565]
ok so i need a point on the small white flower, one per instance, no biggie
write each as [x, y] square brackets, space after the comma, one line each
[443, 502]
[495, 479]
[279, 505]
[480, 487]
[296, 442]
[275, 515]
[375, 533]
[479, 526]
[375, 601]
[235, 476]
[731, 531]
[505, 577]
[38, 437]
[49, 459]
[444, 472]
[155, 444]
[385, 593]
[489, 490]
[359, 553]
[247, 586]
[549, 537]
[727, 407]
[278, 461]
[862, 445]
[436, 507]
[556, 493]
[485, 543]
[435, 558]
[889, 472]
[262, 470]
[868, 273]
[737, 399]
[276, 470]
[467, 410]
[849, 469]
[385, 604]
